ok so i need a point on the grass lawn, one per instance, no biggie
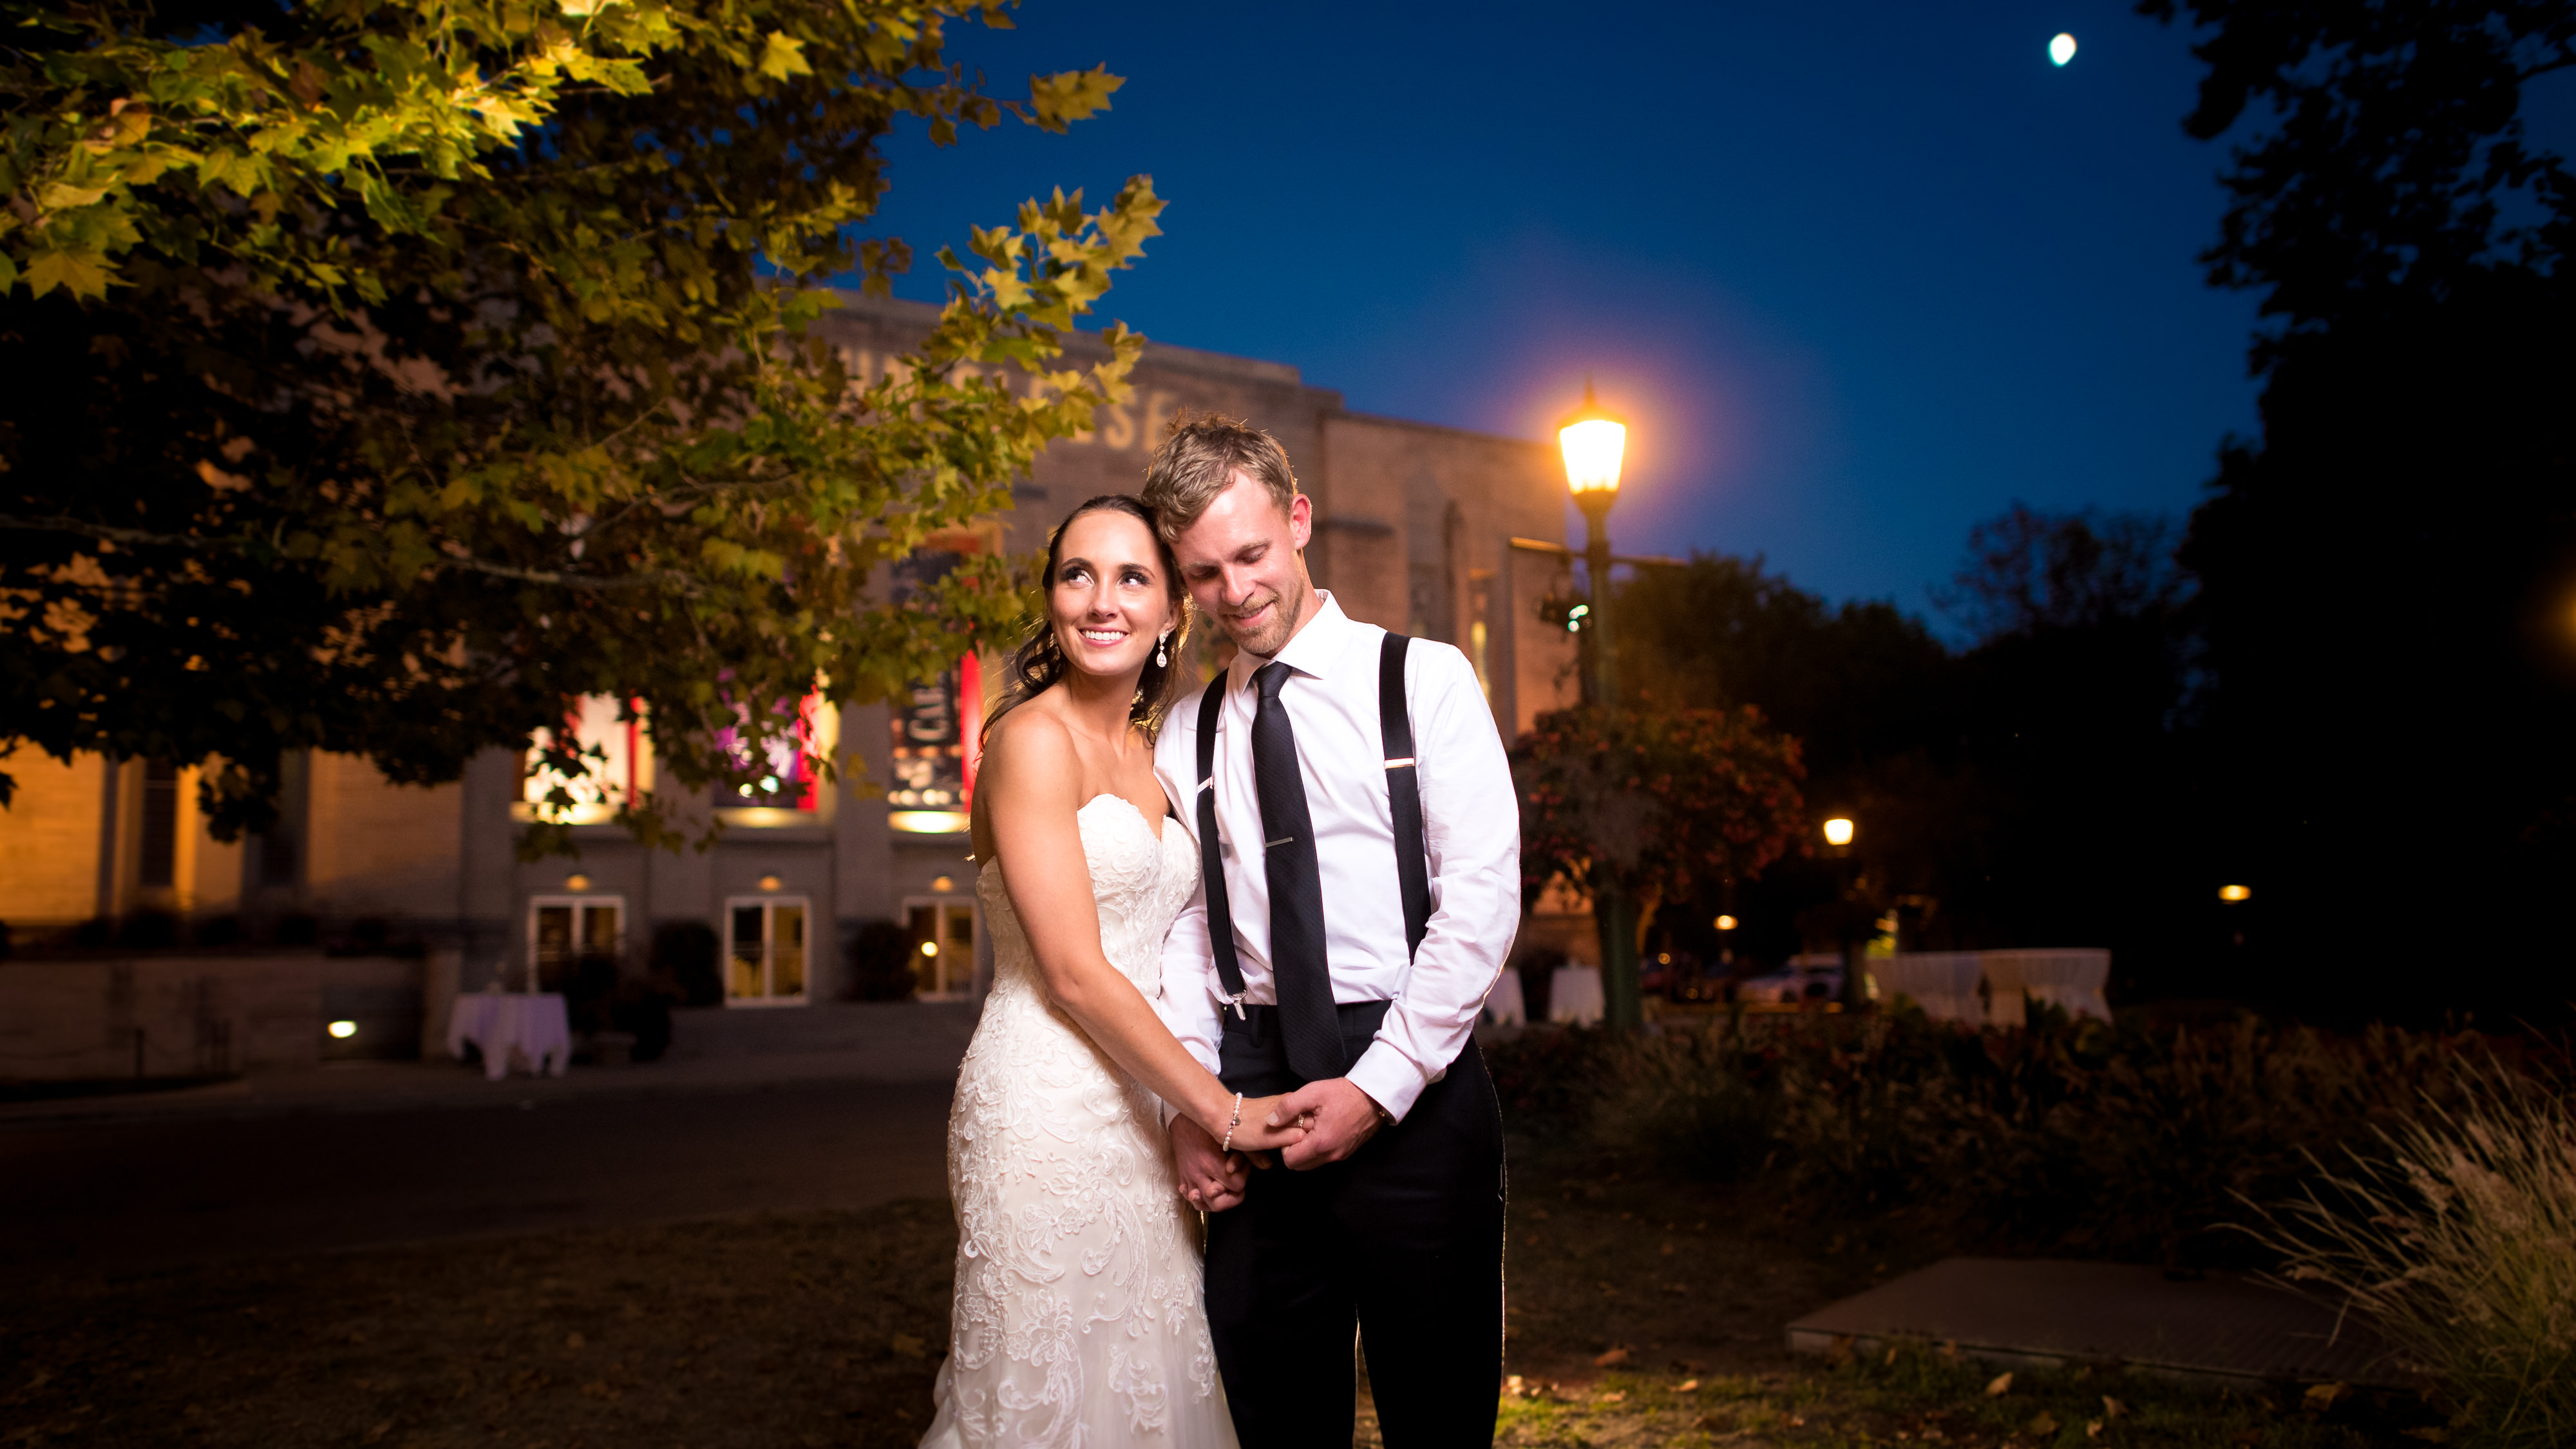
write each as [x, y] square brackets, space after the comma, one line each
[1641, 1314]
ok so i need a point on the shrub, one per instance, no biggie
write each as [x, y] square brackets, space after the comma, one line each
[684, 953]
[2132, 1143]
[881, 962]
[2457, 1232]
[148, 931]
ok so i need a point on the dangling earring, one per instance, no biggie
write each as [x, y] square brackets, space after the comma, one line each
[1162, 651]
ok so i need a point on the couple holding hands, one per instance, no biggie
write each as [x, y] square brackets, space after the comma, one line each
[1240, 943]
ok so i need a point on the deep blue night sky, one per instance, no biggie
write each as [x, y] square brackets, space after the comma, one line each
[1860, 275]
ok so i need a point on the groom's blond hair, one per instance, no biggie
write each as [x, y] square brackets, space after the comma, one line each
[1197, 461]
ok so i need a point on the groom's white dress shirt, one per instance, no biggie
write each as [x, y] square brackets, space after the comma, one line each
[1471, 829]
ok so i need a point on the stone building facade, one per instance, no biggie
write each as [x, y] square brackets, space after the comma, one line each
[1451, 535]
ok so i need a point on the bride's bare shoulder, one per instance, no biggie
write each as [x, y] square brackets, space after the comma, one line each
[1030, 749]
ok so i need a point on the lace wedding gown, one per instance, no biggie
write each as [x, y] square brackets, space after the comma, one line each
[1078, 1322]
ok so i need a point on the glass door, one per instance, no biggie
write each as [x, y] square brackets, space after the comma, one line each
[943, 946]
[565, 931]
[765, 951]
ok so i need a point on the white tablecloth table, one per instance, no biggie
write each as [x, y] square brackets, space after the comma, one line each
[1574, 995]
[536, 1027]
[1943, 983]
[1504, 1005]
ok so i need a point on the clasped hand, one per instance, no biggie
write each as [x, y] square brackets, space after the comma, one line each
[1323, 1121]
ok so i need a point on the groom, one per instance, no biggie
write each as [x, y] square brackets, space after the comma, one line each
[1318, 960]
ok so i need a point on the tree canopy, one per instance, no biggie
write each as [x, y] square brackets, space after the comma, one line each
[393, 373]
[1654, 802]
[2386, 576]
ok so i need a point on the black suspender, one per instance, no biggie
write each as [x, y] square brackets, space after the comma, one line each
[1403, 791]
[1229, 970]
[1404, 805]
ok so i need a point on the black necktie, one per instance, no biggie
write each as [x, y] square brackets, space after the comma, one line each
[1308, 1026]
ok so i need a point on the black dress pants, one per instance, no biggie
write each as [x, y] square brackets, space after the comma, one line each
[1402, 1242]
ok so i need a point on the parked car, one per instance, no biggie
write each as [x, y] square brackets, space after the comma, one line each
[1807, 978]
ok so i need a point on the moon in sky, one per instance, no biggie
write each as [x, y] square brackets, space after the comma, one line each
[2061, 49]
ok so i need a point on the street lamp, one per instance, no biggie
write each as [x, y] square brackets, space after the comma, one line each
[1594, 440]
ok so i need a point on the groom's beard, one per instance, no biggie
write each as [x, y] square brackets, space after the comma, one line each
[1271, 635]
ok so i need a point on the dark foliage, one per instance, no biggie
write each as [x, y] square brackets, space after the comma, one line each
[2138, 1142]
[881, 962]
[684, 953]
[2388, 575]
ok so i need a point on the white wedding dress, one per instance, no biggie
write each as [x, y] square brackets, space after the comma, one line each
[1078, 1322]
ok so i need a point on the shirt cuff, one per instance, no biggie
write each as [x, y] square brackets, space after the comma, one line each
[1391, 1081]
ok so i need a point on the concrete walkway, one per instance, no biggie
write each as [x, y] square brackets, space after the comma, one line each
[712, 1049]
[834, 1106]
[2218, 1328]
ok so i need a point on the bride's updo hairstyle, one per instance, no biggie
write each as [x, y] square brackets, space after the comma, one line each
[1039, 660]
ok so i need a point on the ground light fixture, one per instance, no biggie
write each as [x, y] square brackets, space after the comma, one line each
[344, 1029]
[1838, 831]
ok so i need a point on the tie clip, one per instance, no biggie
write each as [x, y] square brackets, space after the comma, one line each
[1404, 763]
[1282, 840]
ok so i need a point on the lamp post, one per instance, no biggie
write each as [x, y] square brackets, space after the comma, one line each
[1593, 440]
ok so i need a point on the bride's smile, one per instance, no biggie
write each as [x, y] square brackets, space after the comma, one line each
[1110, 602]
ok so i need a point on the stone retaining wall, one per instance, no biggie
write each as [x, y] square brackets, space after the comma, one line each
[195, 1015]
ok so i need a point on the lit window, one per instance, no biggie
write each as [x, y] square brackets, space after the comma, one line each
[619, 765]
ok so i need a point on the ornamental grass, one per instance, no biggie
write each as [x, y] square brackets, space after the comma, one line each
[2456, 1231]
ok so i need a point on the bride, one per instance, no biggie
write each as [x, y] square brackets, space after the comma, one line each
[1078, 1319]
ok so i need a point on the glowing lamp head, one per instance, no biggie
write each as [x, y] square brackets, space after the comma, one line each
[2061, 48]
[930, 948]
[344, 1029]
[576, 882]
[1838, 831]
[2233, 893]
[1594, 440]
[1725, 923]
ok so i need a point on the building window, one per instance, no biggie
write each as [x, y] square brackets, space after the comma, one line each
[943, 946]
[159, 837]
[619, 767]
[570, 935]
[765, 951]
[935, 750]
[782, 784]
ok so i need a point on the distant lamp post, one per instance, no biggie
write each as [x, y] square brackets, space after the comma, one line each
[1838, 831]
[1595, 440]
[2234, 893]
[1724, 923]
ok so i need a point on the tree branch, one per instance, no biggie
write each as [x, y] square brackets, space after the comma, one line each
[146, 538]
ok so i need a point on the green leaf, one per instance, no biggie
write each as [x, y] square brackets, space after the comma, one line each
[83, 274]
[783, 56]
[1068, 96]
[63, 196]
